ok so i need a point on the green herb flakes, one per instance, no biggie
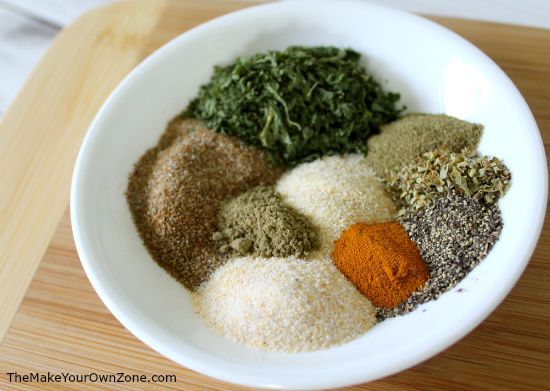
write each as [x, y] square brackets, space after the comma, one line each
[298, 104]
[485, 179]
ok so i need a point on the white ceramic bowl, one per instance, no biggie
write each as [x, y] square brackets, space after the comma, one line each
[435, 71]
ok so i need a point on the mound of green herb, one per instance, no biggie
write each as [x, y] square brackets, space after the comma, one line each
[298, 104]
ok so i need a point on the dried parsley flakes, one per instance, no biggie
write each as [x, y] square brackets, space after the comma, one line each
[298, 104]
[482, 178]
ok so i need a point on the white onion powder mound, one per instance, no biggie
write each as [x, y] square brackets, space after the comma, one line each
[335, 192]
[283, 304]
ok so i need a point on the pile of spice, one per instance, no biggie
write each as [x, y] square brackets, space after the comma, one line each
[258, 222]
[298, 104]
[360, 227]
[176, 188]
[485, 179]
[283, 304]
[402, 141]
[335, 192]
[381, 261]
[454, 233]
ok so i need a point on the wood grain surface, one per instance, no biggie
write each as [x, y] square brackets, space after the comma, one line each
[42, 131]
[62, 326]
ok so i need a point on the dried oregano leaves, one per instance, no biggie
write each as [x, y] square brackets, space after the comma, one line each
[483, 178]
[298, 104]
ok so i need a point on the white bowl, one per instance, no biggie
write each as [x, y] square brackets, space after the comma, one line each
[434, 69]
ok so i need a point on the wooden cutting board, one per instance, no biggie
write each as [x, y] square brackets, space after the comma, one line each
[62, 326]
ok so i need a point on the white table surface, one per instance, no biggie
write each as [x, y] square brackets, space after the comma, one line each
[28, 26]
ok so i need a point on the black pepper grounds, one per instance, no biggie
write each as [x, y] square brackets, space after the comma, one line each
[175, 191]
[454, 234]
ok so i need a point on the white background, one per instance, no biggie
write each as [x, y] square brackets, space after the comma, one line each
[28, 26]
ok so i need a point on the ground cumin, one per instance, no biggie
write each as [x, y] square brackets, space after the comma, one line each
[381, 261]
[175, 190]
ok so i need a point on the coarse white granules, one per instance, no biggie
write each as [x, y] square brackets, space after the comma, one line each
[283, 304]
[335, 192]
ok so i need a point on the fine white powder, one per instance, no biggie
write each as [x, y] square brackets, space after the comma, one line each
[283, 304]
[335, 192]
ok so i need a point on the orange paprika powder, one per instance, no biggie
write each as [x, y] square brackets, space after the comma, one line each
[381, 261]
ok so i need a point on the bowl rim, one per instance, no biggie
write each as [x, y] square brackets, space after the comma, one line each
[193, 359]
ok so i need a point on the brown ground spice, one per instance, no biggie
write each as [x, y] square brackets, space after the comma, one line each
[381, 261]
[175, 191]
